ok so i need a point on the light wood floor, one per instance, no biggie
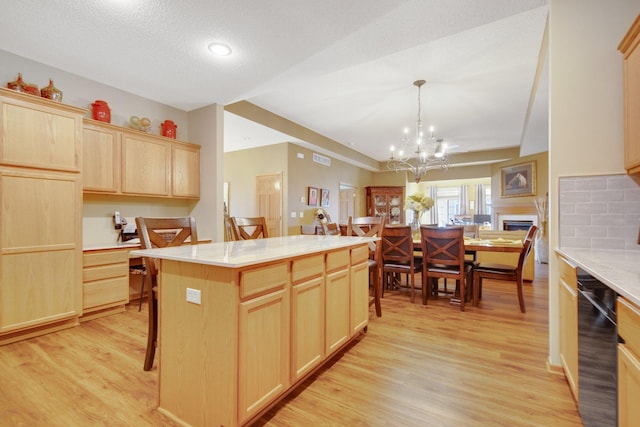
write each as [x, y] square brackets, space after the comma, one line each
[416, 366]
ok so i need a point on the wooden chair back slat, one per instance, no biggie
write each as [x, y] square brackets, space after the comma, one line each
[249, 228]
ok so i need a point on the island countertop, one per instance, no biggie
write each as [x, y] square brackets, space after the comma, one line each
[250, 252]
[618, 269]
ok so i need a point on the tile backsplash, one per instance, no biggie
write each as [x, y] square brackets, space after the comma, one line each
[599, 212]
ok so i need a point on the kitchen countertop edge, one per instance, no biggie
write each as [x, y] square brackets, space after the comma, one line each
[618, 269]
[245, 253]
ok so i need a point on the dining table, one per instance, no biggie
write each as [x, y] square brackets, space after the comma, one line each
[478, 245]
[492, 245]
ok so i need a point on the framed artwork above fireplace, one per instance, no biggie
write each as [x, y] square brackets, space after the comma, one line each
[518, 180]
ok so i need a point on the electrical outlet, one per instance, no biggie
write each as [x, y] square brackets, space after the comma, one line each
[193, 295]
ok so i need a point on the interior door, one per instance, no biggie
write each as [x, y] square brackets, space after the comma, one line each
[269, 201]
[347, 203]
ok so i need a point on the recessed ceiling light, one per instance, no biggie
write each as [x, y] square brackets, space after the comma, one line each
[220, 49]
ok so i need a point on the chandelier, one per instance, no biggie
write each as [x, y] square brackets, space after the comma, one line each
[423, 154]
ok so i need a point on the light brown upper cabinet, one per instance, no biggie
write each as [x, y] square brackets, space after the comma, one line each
[631, 87]
[123, 161]
[101, 172]
[185, 176]
[146, 165]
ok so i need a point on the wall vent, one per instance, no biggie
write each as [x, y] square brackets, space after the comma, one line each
[323, 160]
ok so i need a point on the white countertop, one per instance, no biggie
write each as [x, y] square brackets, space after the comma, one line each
[249, 252]
[618, 269]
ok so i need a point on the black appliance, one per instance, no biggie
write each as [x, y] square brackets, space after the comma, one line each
[597, 352]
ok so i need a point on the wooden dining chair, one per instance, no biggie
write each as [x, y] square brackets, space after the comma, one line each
[397, 254]
[505, 272]
[370, 226]
[161, 233]
[330, 229]
[443, 257]
[249, 228]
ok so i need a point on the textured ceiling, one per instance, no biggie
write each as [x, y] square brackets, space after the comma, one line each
[342, 69]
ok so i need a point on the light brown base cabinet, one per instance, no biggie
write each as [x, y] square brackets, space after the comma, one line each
[105, 282]
[568, 323]
[40, 216]
[628, 316]
[258, 331]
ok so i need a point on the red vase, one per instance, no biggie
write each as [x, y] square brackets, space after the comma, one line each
[51, 92]
[168, 129]
[17, 85]
[101, 111]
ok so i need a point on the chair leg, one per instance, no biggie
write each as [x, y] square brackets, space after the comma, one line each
[413, 288]
[153, 331]
[520, 294]
[425, 289]
[385, 279]
[470, 286]
[463, 291]
[377, 292]
[141, 293]
[477, 284]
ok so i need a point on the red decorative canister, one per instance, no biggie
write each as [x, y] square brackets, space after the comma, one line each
[101, 111]
[168, 129]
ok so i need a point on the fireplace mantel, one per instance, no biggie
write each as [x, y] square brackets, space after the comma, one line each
[514, 213]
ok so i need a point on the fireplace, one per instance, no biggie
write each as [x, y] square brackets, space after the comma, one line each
[515, 221]
[511, 224]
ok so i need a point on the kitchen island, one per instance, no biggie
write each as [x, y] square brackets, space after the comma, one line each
[241, 323]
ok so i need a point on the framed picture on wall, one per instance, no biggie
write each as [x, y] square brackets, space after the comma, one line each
[312, 197]
[324, 198]
[518, 180]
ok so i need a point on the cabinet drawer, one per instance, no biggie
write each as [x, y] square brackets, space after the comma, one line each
[568, 272]
[90, 259]
[629, 324]
[337, 260]
[359, 254]
[306, 268]
[262, 280]
[104, 272]
[108, 291]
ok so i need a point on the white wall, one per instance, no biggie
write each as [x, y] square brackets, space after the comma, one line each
[585, 106]
[81, 92]
[203, 127]
[206, 127]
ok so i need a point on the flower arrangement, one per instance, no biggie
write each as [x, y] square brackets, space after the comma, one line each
[322, 216]
[419, 202]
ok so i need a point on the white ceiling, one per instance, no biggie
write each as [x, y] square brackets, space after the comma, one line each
[341, 68]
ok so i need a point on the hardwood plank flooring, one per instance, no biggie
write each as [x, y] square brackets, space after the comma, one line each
[416, 366]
